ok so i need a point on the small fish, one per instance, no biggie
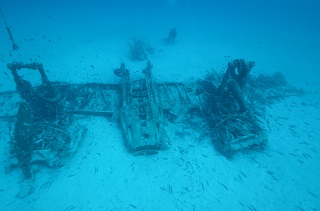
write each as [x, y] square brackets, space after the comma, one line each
[252, 208]
[299, 208]
[308, 155]
[292, 126]
[266, 187]
[223, 185]
[162, 188]
[10, 203]
[187, 189]
[71, 207]
[170, 189]
[133, 206]
[312, 194]
[243, 174]
[272, 175]
[46, 185]
[280, 153]
[240, 203]
[281, 117]
[304, 155]
[313, 150]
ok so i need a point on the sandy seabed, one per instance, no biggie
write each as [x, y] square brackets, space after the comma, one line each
[190, 174]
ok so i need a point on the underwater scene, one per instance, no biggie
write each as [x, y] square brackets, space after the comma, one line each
[159, 105]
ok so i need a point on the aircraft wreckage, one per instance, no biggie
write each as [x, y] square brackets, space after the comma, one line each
[228, 107]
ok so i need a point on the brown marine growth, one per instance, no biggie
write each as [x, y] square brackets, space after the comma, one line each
[23, 138]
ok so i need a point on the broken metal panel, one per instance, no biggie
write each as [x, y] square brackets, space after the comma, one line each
[43, 99]
[238, 132]
[140, 104]
[90, 99]
[234, 126]
[43, 131]
[24, 138]
[179, 99]
[98, 99]
[53, 146]
[141, 115]
[86, 99]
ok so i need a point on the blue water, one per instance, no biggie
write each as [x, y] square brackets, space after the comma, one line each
[273, 32]
[69, 37]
